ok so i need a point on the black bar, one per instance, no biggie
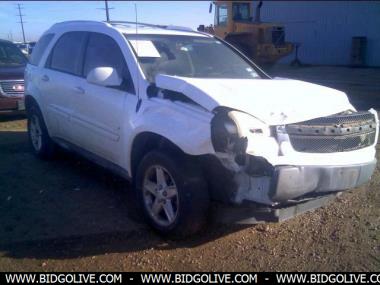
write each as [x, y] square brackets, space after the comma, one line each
[188, 277]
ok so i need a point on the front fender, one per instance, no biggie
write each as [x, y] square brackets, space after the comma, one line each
[185, 125]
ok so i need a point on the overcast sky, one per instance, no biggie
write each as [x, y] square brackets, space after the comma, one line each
[40, 15]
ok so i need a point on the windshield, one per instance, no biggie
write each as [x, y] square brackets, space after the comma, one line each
[188, 56]
[10, 55]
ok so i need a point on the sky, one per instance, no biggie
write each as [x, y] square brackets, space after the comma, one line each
[40, 15]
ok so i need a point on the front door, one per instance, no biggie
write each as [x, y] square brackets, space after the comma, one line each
[99, 111]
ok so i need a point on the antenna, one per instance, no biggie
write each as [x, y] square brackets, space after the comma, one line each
[10, 36]
[136, 19]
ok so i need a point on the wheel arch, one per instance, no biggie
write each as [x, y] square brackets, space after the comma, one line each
[30, 101]
[147, 141]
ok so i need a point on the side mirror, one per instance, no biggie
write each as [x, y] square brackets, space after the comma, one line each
[152, 90]
[104, 76]
[210, 8]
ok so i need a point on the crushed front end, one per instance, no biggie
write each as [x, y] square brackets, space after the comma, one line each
[292, 168]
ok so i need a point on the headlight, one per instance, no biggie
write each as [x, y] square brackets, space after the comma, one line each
[224, 132]
[249, 125]
[229, 131]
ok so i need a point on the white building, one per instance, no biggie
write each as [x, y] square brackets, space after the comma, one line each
[325, 28]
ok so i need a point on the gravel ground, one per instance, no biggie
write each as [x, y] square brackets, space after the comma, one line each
[70, 215]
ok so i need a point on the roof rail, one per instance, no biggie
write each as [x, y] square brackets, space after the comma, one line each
[80, 22]
[113, 23]
[179, 28]
[138, 23]
[167, 27]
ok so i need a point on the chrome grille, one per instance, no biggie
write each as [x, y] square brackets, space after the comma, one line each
[352, 118]
[338, 133]
[12, 88]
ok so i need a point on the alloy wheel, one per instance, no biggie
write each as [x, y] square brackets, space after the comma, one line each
[160, 195]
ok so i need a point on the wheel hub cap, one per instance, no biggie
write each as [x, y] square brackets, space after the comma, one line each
[160, 195]
[35, 132]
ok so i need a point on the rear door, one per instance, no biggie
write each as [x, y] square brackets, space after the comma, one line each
[99, 112]
[60, 81]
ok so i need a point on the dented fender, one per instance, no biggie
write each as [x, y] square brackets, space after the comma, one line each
[178, 122]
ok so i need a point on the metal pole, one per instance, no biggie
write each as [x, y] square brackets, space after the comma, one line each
[22, 23]
[106, 8]
[107, 13]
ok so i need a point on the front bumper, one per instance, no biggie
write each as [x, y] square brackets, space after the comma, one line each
[291, 191]
[280, 192]
[12, 104]
[289, 182]
[252, 213]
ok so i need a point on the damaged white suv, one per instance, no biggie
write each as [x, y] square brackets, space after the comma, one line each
[190, 120]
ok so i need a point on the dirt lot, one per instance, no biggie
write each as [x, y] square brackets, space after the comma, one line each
[69, 214]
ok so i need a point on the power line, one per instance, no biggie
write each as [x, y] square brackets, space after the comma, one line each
[106, 8]
[21, 21]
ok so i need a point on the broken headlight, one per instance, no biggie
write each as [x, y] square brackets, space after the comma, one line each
[230, 130]
[249, 125]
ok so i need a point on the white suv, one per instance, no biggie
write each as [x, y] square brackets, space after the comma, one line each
[190, 120]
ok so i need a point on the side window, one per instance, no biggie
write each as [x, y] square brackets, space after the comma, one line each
[40, 48]
[66, 55]
[103, 51]
[222, 15]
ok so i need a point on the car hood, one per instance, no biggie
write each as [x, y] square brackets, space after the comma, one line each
[273, 101]
[12, 72]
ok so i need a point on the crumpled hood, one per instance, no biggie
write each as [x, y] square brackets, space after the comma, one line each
[273, 101]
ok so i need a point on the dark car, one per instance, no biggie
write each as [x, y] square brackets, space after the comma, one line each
[12, 66]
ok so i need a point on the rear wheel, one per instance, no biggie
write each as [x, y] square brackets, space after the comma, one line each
[172, 193]
[39, 138]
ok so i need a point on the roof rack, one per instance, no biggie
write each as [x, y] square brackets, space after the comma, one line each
[167, 27]
[113, 23]
[80, 22]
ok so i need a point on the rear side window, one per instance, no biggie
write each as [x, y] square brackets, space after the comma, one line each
[66, 55]
[40, 48]
[103, 51]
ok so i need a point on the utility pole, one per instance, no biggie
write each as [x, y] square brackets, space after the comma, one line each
[107, 13]
[107, 10]
[21, 21]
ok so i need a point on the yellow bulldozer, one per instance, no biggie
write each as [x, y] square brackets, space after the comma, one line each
[234, 22]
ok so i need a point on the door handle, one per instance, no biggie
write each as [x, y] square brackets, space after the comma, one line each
[45, 78]
[79, 90]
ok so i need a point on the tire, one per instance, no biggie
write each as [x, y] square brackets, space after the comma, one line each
[179, 208]
[39, 138]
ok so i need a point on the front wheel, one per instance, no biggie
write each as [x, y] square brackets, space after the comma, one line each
[172, 193]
